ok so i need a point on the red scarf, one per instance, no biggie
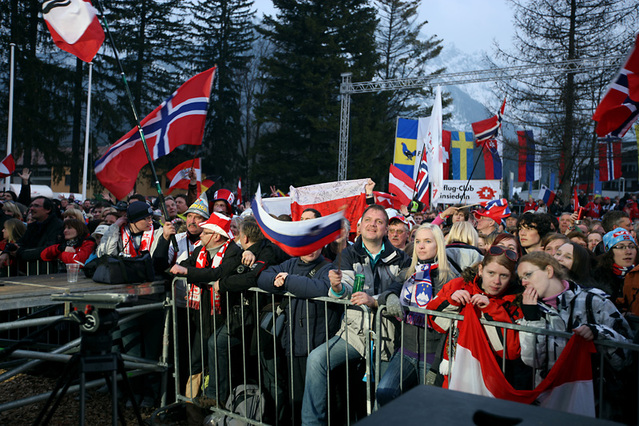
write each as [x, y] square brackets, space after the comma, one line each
[129, 245]
[195, 293]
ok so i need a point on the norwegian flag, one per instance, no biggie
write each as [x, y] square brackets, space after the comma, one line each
[619, 107]
[488, 128]
[609, 159]
[498, 205]
[7, 166]
[74, 27]
[179, 176]
[421, 186]
[178, 121]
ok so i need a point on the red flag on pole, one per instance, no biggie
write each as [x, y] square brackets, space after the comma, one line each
[7, 166]
[74, 26]
[178, 121]
[179, 176]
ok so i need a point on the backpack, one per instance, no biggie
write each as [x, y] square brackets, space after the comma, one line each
[246, 401]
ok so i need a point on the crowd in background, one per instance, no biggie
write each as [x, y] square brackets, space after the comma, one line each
[546, 266]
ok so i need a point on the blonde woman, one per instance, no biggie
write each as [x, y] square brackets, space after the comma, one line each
[428, 272]
[11, 209]
[461, 247]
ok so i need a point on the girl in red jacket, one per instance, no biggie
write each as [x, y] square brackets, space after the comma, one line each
[77, 246]
[491, 288]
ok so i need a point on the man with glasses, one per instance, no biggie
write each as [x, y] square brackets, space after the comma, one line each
[398, 232]
[44, 230]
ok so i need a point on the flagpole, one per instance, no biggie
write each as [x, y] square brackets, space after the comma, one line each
[85, 167]
[7, 180]
[158, 187]
[481, 154]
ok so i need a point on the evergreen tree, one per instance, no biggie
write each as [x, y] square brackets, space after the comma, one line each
[43, 85]
[561, 106]
[405, 54]
[223, 31]
[314, 42]
[150, 37]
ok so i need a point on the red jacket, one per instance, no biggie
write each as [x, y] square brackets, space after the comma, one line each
[81, 254]
[501, 308]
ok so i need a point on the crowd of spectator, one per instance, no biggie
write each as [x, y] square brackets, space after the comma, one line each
[546, 266]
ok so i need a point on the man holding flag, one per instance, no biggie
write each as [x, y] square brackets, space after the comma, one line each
[381, 264]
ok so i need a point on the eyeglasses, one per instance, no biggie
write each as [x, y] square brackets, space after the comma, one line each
[527, 275]
[628, 247]
[498, 251]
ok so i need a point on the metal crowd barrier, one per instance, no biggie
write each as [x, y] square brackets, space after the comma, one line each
[62, 354]
[251, 370]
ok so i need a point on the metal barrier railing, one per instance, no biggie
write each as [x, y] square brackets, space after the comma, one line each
[247, 368]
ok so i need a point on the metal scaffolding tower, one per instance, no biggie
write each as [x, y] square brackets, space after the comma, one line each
[348, 88]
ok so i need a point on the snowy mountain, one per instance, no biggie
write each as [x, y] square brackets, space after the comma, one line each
[471, 102]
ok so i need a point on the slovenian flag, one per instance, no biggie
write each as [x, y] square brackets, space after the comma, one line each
[567, 387]
[301, 237]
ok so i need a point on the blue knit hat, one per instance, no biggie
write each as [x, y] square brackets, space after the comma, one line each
[138, 210]
[615, 236]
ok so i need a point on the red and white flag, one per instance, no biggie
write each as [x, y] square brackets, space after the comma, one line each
[7, 166]
[331, 197]
[388, 201]
[178, 121]
[74, 26]
[239, 192]
[179, 176]
[567, 387]
[400, 184]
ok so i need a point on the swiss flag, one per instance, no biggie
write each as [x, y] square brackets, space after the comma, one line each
[74, 26]
[567, 387]
[7, 166]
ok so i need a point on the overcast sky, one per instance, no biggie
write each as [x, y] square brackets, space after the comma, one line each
[470, 25]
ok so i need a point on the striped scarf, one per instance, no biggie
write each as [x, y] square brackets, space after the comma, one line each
[195, 293]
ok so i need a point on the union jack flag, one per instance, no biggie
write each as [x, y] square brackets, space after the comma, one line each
[488, 128]
[619, 107]
[421, 186]
[178, 121]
